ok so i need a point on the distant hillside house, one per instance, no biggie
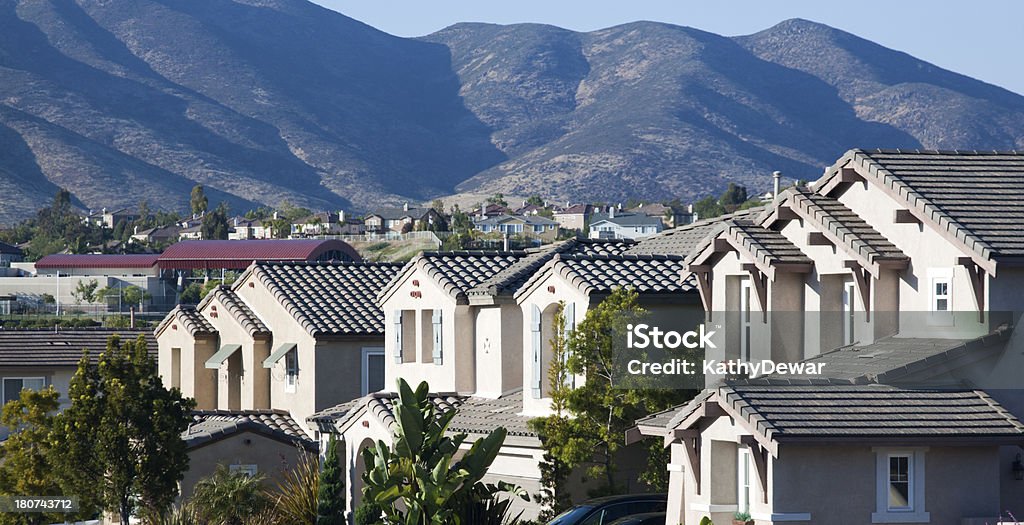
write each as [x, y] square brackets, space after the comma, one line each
[618, 225]
[326, 223]
[10, 253]
[396, 219]
[109, 218]
[670, 216]
[574, 217]
[533, 226]
[156, 235]
[191, 233]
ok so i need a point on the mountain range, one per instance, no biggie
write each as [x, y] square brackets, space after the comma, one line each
[263, 101]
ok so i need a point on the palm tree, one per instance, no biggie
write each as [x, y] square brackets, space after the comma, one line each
[229, 498]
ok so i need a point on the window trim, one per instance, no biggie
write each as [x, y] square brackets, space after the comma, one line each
[364, 368]
[3, 384]
[746, 315]
[916, 489]
[940, 317]
[743, 480]
[291, 370]
[849, 312]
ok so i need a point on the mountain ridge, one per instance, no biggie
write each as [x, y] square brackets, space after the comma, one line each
[264, 101]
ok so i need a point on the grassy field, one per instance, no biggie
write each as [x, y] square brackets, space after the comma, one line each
[394, 251]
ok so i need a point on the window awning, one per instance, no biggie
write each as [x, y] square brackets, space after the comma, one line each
[222, 355]
[279, 352]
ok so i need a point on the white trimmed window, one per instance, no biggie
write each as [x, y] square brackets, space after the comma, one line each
[745, 300]
[940, 296]
[743, 480]
[941, 288]
[372, 370]
[291, 369]
[900, 495]
[14, 385]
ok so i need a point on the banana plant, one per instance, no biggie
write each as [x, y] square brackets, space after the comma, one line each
[417, 482]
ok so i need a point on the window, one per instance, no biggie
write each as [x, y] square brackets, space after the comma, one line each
[248, 470]
[14, 385]
[941, 294]
[900, 486]
[372, 370]
[848, 312]
[743, 480]
[900, 496]
[745, 293]
[291, 368]
[175, 368]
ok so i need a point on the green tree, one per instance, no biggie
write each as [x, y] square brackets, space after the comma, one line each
[589, 420]
[416, 481]
[25, 465]
[296, 496]
[733, 196]
[48, 298]
[461, 223]
[331, 499]
[497, 198]
[191, 294]
[85, 291]
[438, 206]
[134, 296]
[215, 224]
[118, 446]
[229, 498]
[198, 201]
[708, 207]
[535, 200]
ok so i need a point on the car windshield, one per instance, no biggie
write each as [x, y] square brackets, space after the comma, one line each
[571, 516]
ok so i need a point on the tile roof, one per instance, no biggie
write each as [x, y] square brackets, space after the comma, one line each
[834, 217]
[187, 255]
[766, 246]
[190, 319]
[513, 277]
[391, 214]
[237, 308]
[330, 298]
[458, 272]
[212, 425]
[685, 239]
[869, 411]
[68, 260]
[48, 348]
[647, 274]
[978, 196]
[891, 359]
[527, 219]
[476, 415]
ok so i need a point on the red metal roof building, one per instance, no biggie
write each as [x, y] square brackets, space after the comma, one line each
[238, 255]
[63, 261]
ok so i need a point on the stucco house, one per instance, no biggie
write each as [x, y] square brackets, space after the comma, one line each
[38, 358]
[574, 217]
[397, 219]
[10, 253]
[281, 337]
[900, 273]
[530, 226]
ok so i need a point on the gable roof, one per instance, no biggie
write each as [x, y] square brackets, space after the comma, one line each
[187, 255]
[513, 277]
[123, 261]
[213, 425]
[845, 227]
[457, 272]
[974, 196]
[10, 249]
[329, 299]
[683, 240]
[61, 348]
[396, 213]
[237, 308]
[190, 319]
[576, 209]
[600, 274]
[526, 219]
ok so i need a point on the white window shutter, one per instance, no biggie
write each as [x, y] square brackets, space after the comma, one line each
[535, 344]
[438, 337]
[397, 324]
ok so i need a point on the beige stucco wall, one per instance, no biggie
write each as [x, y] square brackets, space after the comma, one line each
[270, 456]
[252, 380]
[498, 349]
[195, 380]
[457, 372]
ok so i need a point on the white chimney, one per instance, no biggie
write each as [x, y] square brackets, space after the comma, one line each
[405, 207]
[611, 212]
[689, 209]
[776, 180]
[341, 215]
[275, 215]
[504, 242]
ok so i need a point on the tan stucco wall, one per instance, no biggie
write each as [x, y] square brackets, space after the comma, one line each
[196, 381]
[252, 381]
[499, 350]
[270, 456]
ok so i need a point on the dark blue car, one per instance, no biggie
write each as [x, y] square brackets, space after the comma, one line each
[603, 511]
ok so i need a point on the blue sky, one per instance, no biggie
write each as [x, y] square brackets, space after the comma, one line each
[982, 38]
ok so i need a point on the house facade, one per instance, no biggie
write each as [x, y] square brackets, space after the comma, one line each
[279, 338]
[10, 254]
[529, 226]
[574, 217]
[617, 224]
[406, 218]
[899, 273]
